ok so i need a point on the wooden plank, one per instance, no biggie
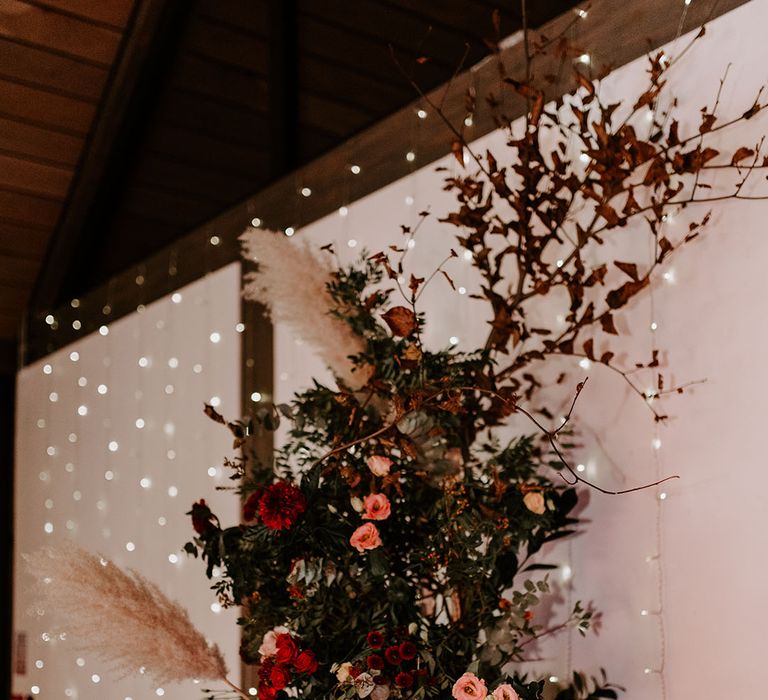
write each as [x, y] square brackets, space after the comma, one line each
[334, 116]
[114, 13]
[221, 82]
[210, 116]
[19, 174]
[43, 108]
[23, 241]
[45, 28]
[617, 38]
[248, 14]
[60, 74]
[17, 207]
[156, 27]
[176, 209]
[208, 151]
[42, 144]
[228, 46]
[17, 273]
[409, 35]
[360, 53]
[153, 169]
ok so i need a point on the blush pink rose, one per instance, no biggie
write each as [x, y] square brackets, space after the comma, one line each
[469, 687]
[365, 537]
[376, 507]
[379, 465]
[505, 692]
[269, 642]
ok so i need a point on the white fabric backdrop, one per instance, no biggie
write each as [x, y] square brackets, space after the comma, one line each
[158, 367]
[710, 571]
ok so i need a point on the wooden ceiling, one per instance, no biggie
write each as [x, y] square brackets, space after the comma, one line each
[124, 125]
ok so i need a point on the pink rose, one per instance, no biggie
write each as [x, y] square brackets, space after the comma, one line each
[469, 687]
[505, 692]
[269, 642]
[376, 507]
[379, 465]
[365, 537]
[534, 502]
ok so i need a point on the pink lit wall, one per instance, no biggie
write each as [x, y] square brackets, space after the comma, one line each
[689, 554]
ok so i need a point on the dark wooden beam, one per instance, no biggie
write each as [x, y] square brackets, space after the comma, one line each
[614, 36]
[144, 44]
[283, 87]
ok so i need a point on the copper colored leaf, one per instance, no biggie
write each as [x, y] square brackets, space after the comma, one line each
[536, 109]
[707, 122]
[457, 148]
[606, 358]
[401, 321]
[741, 154]
[414, 284]
[618, 297]
[588, 85]
[589, 349]
[213, 414]
[628, 268]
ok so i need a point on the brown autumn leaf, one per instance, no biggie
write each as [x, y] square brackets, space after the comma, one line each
[627, 268]
[606, 357]
[457, 148]
[450, 281]
[414, 284]
[213, 414]
[618, 297]
[707, 122]
[741, 154]
[401, 321]
[589, 349]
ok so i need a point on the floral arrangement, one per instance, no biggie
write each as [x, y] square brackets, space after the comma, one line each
[389, 548]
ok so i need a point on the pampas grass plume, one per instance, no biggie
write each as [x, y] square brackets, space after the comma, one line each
[291, 283]
[122, 618]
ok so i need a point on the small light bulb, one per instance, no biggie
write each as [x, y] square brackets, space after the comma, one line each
[421, 114]
[104, 330]
[663, 496]
[583, 14]
[584, 363]
[306, 192]
[214, 240]
[50, 320]
[240, 327]
[47, 369]
[173, 558]
[584, 158]
[410, 156]
[212, 471]
[82, 381]
[102, 389]
[35, 690]
[53, 397]
[95, 677]
[409, 201]
[289, 231]
[169, 389]
[74, 356]
[113, 446]
[143, 362]
[145, 482]
[109, 475]
[215, 337]
[352, 243]
[468, 121]
[161, 521]
[411, 243]
[656, 443]
[462, 290]
[553, 679]
[654, 326]
[255, 222]
[585, 59]
[216, 607]
[355, 169]
[130, 546]
[453, 340]
[644, 613]
[176, 298]
[197, 369]
[580, 468]
[256, 397]
[215, 401]
[48, 527]
[173, 491]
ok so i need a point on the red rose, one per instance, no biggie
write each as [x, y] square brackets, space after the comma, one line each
[286, 648]
[380, 680]
[266, 692]
[392, 655]
[355, 671]
[202, 517]
[280, 505]
[375, 640]
[251, 506]
[265, 669]
[375, 662]
[404, 679]
[279, 677]
[305, 662]
[407, 651]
